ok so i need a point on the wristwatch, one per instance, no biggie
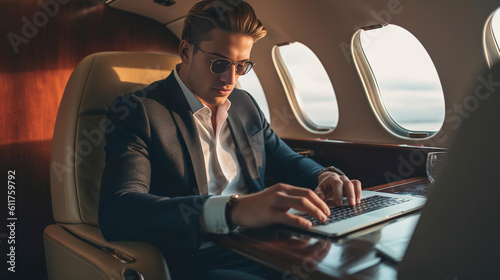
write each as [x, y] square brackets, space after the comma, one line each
[228, 211]
[331, 169]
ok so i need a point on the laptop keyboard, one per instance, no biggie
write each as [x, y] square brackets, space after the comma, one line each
[367, 204]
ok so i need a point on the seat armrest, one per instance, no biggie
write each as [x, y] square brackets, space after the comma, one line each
[85, 254]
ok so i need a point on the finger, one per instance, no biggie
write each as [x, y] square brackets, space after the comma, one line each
[300, 203]
[357, 190]
[335, 185]
[349, 192]
[312, 196]
[293, 220]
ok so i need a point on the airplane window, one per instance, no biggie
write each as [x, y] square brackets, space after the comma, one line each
[400, 80]
[308, 86]
[491, 38]
[250, 82]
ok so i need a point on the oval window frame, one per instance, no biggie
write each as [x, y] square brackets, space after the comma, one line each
[374, 95]
[289, 87]
[490, 43]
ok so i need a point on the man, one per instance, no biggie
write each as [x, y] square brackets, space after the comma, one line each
[187, 145]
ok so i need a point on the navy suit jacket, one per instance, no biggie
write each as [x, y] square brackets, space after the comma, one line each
[154, 183]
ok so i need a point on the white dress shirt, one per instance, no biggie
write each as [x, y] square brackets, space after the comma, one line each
[224, 175]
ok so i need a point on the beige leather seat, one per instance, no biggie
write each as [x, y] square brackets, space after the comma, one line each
[74, 246]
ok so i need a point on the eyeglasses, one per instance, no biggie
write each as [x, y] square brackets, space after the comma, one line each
[221, 65]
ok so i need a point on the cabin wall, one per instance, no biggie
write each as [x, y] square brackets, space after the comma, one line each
[450, 30]
[39, 49]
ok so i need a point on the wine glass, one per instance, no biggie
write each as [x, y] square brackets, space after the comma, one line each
[434, 162]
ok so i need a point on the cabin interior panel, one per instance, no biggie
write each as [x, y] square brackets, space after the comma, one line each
[39, 49]
[372, 164]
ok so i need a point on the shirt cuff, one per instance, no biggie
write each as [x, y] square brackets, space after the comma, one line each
[214, 214]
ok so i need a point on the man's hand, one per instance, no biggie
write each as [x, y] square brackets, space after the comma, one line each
[270, 206]
[334, 186]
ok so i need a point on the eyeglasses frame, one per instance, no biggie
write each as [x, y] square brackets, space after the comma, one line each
[248, 69]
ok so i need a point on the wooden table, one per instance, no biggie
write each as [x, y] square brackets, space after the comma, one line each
[301, 255]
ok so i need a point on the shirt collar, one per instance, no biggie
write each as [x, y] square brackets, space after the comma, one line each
[194, 103]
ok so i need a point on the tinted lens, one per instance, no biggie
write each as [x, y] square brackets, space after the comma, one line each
[243, 68]
[220, 66]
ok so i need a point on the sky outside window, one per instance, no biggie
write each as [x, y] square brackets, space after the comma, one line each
[250, 82]
[313, 89]
[495, 24]
[408, 82]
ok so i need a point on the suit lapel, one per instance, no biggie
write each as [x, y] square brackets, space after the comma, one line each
[183, 117]
[243, 148]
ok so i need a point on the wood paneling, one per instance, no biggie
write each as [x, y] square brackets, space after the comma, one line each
[372, 164]
[34, 71]
[39, 49]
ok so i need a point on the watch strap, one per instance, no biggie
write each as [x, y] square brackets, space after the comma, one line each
[228, 211]
[331, 169]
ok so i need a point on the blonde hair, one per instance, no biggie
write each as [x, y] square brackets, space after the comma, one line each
[236, 16]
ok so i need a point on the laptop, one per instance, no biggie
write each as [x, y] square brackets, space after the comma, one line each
[375, 207]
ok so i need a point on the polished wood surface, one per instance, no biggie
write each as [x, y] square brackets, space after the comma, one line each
[302, 255]
[414, 186]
